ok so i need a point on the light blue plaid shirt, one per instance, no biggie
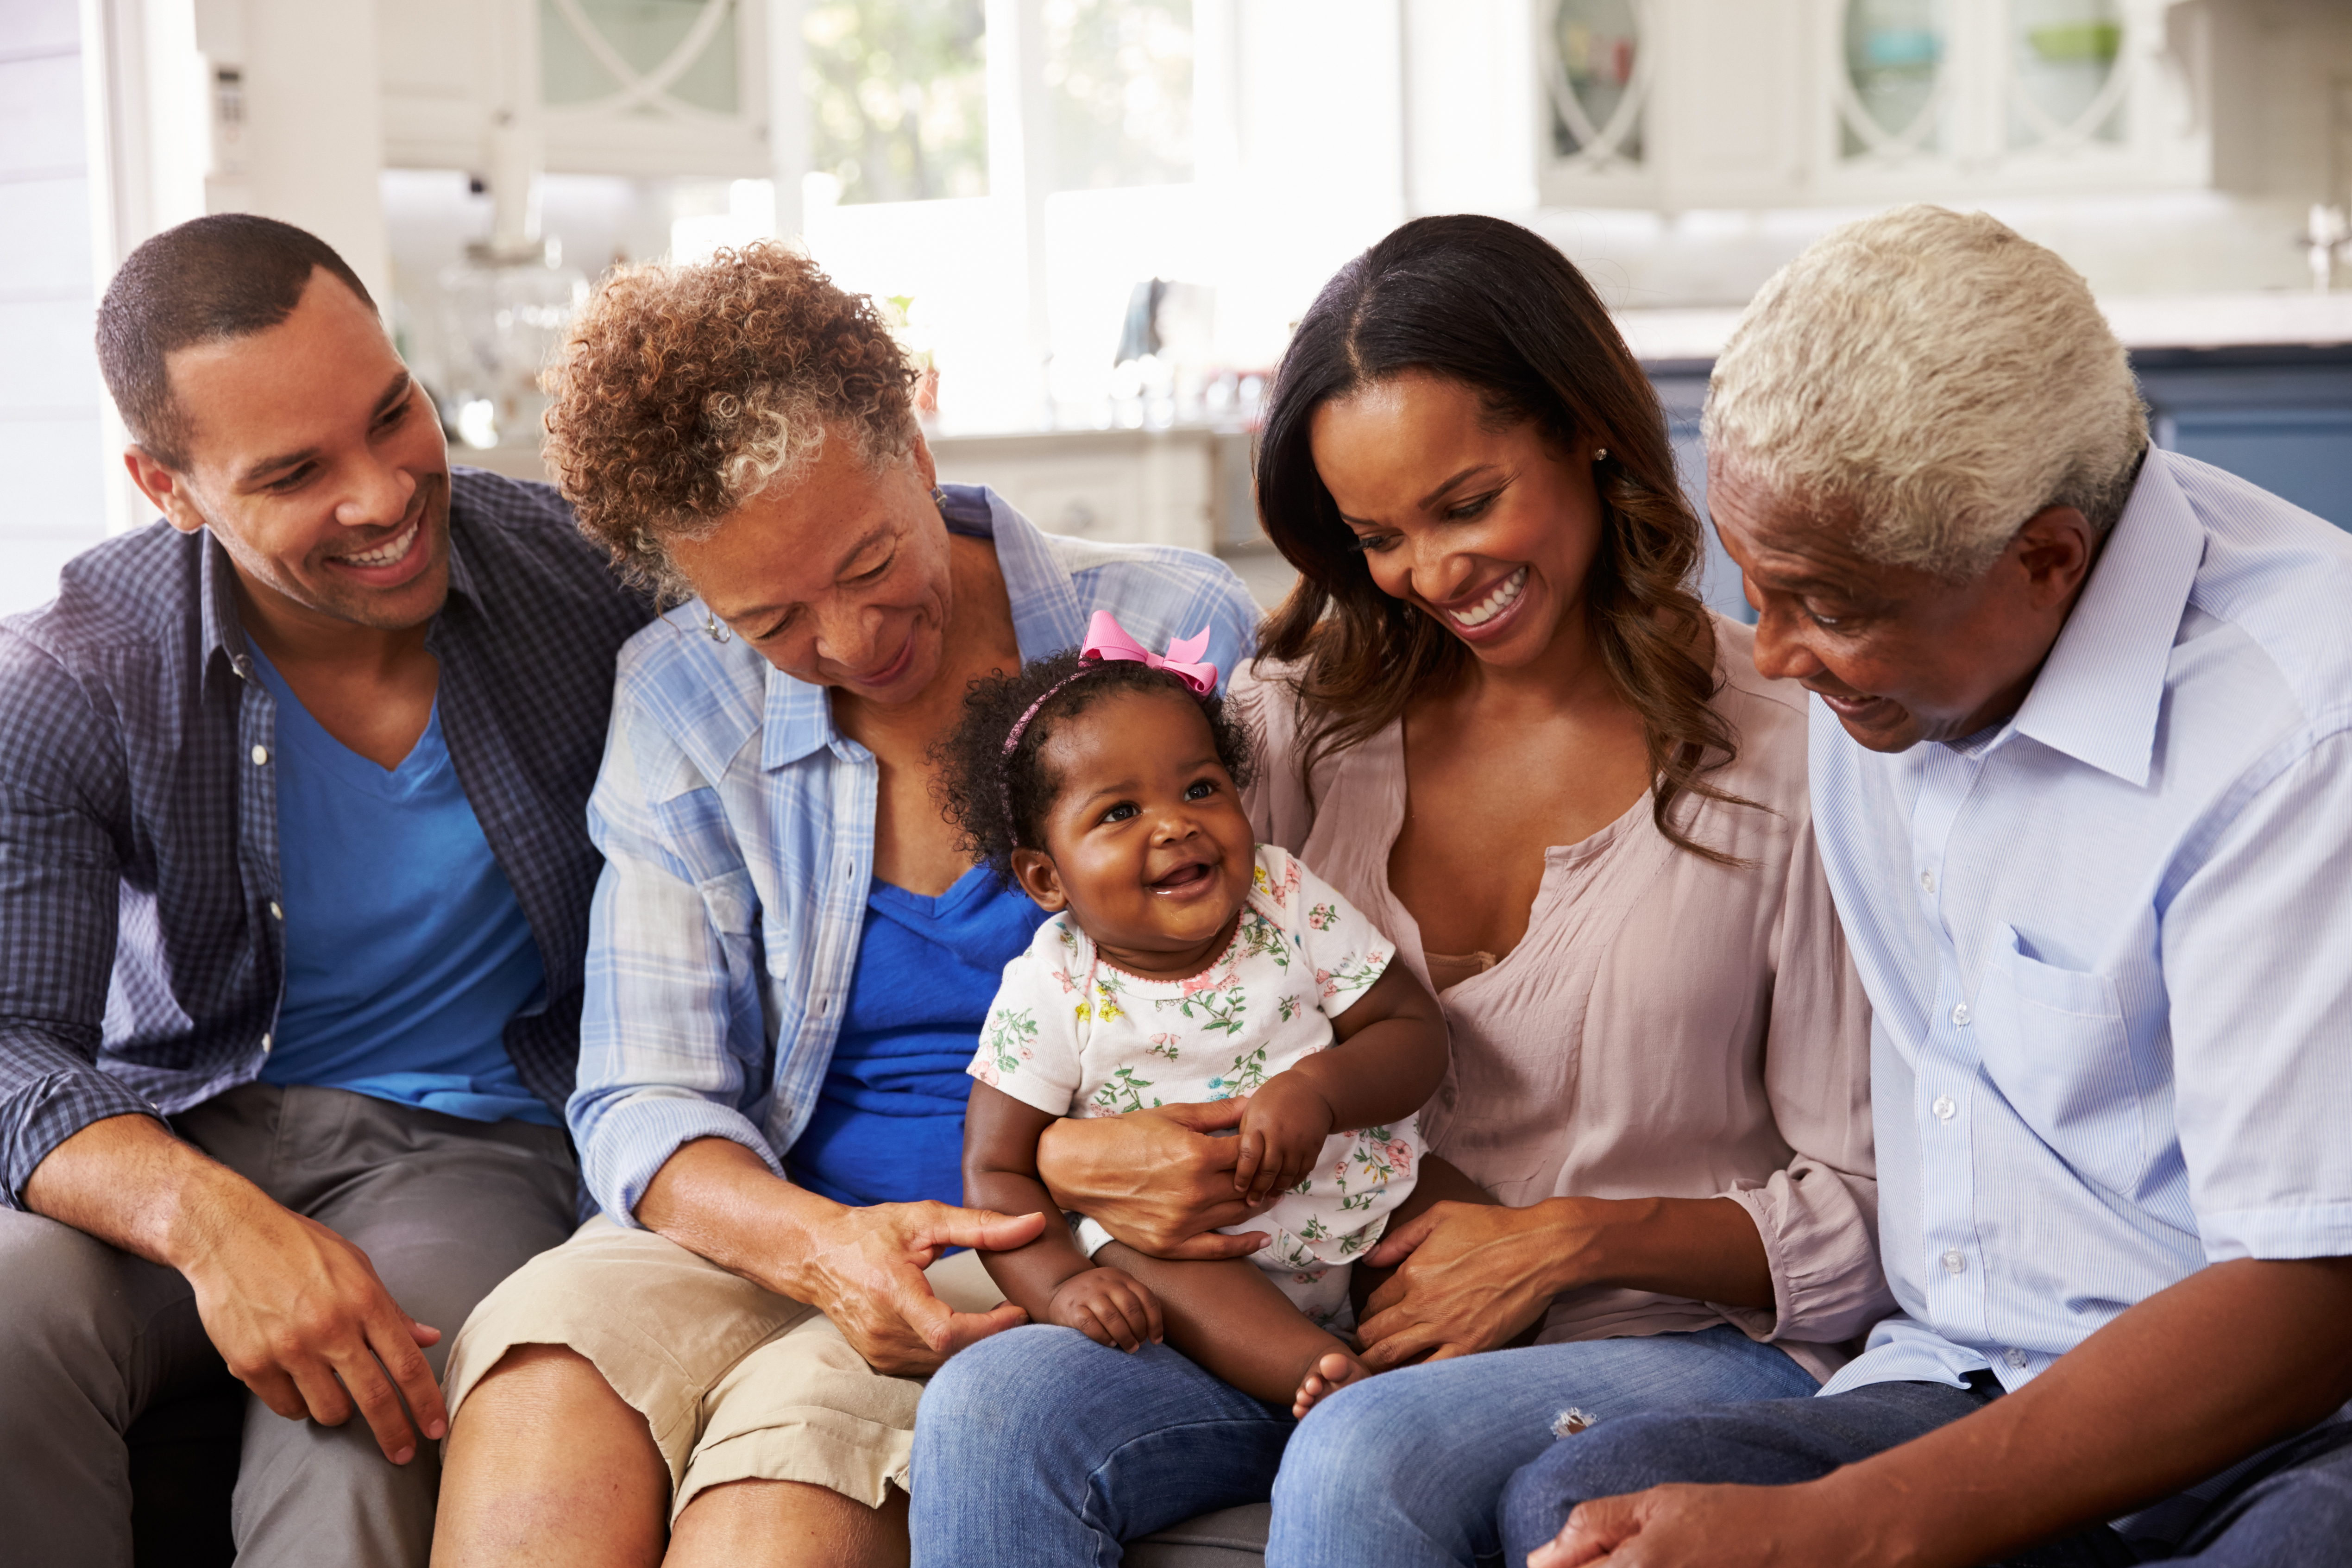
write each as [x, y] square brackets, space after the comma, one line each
[2106, 945]
[737, 831]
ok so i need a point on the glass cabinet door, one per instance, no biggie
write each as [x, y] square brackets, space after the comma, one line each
[1894, 78]
[640, 56]
[1595, 93]
[2066, 88]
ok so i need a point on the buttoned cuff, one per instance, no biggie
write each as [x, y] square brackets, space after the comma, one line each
[634, 1138]
[44, 1113]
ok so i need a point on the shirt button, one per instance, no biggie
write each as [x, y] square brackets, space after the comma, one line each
[275, 913]
[1943, 1108]
[265, 1045]
[2015, 1357]
[1927, 880]
[260, 755]
[1956, 1262]
[1961, 1015]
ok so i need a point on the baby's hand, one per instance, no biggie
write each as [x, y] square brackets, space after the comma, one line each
[1108, 1307]
[1281, 1132]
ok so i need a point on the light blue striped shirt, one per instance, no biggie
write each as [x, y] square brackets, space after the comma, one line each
[737, 831]
[2108, 946]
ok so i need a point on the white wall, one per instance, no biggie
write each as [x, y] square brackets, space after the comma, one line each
[51, 443]
[314, 140]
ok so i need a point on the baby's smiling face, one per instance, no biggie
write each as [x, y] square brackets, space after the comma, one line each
[1146, 844]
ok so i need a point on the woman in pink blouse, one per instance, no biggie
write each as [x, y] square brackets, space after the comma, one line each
[1496, 717]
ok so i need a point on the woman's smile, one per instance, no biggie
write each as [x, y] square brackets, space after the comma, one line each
[1492, 612]
[880, 679]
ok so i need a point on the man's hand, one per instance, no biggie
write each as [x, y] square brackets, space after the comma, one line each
[1283, 1129]
[1158, 1180]
[1716, 1527]
[2102, 1433]
[864, 1267]
[302, 1319]
[295, 1310]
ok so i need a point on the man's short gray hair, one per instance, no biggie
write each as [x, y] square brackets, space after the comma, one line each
[1938, 378]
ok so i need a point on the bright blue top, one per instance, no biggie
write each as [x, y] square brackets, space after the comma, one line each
[888, 1125]
[405, 950]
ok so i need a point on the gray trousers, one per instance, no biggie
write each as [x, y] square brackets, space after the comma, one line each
[90, 1336]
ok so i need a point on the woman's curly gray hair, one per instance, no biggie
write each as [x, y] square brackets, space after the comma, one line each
[1937, 377]
[684, 391]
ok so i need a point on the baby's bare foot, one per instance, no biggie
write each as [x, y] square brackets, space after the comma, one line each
[1332, 1372]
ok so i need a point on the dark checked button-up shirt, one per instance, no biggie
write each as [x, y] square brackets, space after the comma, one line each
[142, 957]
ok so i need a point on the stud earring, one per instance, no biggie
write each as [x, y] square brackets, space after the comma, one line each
[940, 500]
[713, 630]
[1600, 454]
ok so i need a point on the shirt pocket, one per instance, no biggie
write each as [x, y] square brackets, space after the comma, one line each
[2055, 1044]
[732, 902]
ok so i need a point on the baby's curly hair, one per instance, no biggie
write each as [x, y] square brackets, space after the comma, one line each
[684, 391]
[998, 803]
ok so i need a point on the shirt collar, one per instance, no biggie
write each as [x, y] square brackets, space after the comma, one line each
[796, 717]
[2100, 692]
[223, 633]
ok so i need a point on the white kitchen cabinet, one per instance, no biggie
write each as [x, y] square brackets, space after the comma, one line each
[1187, 487]
[1681, 104]
[652, 87]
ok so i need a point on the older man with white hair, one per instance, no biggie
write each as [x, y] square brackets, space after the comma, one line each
[2082, 764]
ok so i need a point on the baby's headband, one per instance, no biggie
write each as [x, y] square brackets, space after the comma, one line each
[1107, 643]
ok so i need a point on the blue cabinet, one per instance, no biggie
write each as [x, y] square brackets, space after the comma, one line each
[2279, 417]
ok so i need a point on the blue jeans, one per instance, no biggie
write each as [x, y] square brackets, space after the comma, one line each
[2294, 1506]
[1407, 1470]
[1039, 1445]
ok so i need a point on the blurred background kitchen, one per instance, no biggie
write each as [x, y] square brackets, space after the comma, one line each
[1095, 220]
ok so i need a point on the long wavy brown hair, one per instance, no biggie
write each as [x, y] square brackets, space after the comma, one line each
[1498, 308]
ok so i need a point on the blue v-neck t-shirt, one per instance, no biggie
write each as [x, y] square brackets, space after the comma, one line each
[406, 952]
[889, 1123]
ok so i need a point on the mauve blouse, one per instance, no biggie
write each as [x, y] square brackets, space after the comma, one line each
[1668, 1026]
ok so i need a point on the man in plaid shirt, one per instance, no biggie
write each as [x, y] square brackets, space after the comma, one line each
[294, 888]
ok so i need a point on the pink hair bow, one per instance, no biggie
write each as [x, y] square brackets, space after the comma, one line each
[1107, 640]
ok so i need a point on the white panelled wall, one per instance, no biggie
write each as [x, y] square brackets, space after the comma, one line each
[50, 428]
[118, 118]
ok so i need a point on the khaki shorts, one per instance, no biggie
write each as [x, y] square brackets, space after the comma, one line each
[737, 1383]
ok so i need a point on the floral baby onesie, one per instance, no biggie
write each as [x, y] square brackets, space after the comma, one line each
[1074, 1036]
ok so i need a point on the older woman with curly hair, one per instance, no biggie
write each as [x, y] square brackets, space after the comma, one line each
[788, 957]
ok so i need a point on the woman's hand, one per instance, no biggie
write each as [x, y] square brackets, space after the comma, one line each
[1109, 1307]
[1471, 1278]
[1156, 1179]
[1284, 1127]
[864, 1269]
